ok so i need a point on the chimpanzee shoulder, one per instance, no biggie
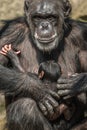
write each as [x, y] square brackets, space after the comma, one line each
[13, 31]
[77, 34]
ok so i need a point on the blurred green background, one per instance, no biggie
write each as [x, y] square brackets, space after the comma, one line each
[14, 8]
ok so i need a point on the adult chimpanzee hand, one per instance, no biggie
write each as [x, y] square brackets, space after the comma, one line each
[44, 94]
[48, 103]
[73, 85]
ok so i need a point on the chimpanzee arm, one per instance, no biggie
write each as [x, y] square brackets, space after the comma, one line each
[77, 83]
[28, 85]
[3, 60]
[13, 56]
[73, 85]
[23, 84]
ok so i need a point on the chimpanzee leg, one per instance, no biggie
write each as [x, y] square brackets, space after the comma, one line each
[24, 114]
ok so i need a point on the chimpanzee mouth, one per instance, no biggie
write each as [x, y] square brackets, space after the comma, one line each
[46, 40]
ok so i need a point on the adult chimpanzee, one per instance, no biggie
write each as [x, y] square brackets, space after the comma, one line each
[46, 33]
[48, 71]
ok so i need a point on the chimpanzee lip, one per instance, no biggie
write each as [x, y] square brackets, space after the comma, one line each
[46, 40]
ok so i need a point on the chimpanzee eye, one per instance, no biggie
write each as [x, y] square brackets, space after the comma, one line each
[52, 19]
[36, 20]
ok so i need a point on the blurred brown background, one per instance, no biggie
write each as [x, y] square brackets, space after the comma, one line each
[13, 8]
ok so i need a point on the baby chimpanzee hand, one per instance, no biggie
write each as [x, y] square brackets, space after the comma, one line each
[8, 51]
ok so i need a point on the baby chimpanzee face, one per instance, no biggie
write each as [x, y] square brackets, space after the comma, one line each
[49, 70]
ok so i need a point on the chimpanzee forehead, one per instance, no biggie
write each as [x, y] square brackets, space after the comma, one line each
[45, 6]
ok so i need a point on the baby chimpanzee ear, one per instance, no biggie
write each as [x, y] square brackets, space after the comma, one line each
[41, 74]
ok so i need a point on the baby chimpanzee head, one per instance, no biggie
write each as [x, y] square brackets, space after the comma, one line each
[49, 70]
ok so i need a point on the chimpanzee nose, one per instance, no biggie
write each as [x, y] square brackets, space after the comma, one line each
[45, 25]
[45, 29]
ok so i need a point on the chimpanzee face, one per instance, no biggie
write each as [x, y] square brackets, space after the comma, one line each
[45, 19]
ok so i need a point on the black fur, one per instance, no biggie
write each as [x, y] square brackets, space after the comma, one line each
[70, 53]
[51, 70]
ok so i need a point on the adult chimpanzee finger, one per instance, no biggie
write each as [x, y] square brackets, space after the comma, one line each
[54, 94]
[49, 107]
[43, 108]
[64, 92]
[68, 80]
[53, 102]
[63, 86]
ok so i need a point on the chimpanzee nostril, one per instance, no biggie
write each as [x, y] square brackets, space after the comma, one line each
[45, 25]
[45, 29]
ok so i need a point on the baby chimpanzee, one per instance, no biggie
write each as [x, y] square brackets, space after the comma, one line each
[48, 71]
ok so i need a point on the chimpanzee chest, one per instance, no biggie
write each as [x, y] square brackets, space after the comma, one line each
[69, 64]
[69, 61]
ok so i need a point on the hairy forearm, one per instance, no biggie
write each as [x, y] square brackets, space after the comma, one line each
[9, 79]
[13, 82]
[3, 60]
[18, 83]
[28, 85]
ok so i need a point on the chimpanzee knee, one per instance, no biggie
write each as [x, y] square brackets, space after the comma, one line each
[24, 114]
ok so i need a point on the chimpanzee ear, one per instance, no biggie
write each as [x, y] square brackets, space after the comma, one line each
[67, 8]
[26, 5]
